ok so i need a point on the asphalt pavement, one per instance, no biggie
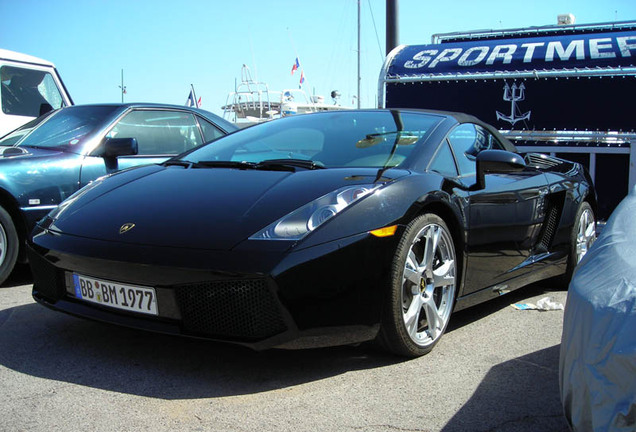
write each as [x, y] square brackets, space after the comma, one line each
[496, 369]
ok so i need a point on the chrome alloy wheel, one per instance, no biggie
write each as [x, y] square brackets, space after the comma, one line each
[586, 233]
[428, 284]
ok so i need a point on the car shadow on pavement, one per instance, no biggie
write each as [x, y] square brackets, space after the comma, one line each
[518, 395]
[42, 343]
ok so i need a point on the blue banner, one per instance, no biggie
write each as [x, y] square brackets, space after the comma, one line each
[592, 50]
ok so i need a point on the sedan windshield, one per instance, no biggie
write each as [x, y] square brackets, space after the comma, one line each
[376, 139]
[66, 128]
[13, 137]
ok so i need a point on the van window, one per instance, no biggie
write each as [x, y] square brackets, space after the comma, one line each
[28, 92]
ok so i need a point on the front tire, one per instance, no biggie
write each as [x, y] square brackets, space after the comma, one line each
[424, 277]
[9, 245]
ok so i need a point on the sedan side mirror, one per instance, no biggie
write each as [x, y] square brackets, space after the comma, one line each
[113, 147]
[497, 162]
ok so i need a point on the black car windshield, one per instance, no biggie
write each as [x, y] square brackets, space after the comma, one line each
[377, 138]
[66, 128]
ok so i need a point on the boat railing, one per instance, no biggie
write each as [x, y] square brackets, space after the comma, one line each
[254, 102]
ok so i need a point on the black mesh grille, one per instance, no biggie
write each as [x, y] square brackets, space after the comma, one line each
[555, 208]
[230, 309]
[47, 281]
[549, 229]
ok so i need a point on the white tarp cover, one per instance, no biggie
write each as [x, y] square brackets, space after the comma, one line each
[597, 367]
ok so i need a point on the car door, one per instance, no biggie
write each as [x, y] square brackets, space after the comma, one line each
[504, 218]
[160, 134]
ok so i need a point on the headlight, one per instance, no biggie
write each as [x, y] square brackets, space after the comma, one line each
[301, 222]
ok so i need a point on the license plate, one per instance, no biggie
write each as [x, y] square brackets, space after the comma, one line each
[107, 293]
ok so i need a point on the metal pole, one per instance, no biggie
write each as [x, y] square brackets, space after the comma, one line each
[391, 25]
[632, 166]
[123, 89]
[359, 78]
[194, 95]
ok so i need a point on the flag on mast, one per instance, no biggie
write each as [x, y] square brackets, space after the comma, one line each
[295, 66]
[192, 101]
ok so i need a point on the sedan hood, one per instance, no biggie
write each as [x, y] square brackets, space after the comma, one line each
[20, 153]
[209, 208]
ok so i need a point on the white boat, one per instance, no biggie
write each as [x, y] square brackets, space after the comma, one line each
[253, 102]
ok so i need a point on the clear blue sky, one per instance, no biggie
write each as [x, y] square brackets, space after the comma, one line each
[164, 46]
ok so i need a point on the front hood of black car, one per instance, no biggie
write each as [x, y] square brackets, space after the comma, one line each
[208, 208]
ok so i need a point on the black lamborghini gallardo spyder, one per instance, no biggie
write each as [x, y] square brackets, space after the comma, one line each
[317, 229]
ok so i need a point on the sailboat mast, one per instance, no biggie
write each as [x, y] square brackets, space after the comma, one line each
[359, 78]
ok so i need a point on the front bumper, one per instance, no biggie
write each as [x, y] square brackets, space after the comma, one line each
[326, 295]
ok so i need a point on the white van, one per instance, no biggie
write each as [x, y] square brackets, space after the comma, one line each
[30, 87]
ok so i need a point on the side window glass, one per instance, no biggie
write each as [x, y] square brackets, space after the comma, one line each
[467, 141]
[463, 140]
[492, 141]
[443, 161]
[26, 91]
[210, 132]
[159, 132]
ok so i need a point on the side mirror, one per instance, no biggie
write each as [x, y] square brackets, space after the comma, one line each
[497, 162]
[113, 147]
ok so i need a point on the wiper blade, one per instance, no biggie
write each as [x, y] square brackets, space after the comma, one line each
[269, 164]
[290, 164]
[177, 162]
[223, 164]
[55, 148]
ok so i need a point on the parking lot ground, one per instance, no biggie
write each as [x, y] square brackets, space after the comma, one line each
[496, 369]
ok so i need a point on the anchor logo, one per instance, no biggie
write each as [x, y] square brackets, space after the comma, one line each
[513, 95]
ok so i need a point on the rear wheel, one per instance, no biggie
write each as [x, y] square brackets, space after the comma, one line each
[424, 277]
[581, 239]
[8, 245]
